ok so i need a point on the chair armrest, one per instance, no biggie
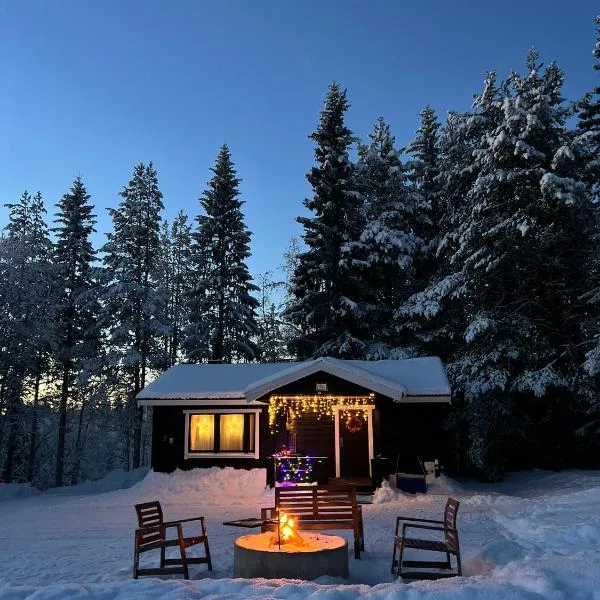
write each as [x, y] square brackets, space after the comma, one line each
[150, 529]
[264, 512]
[429, 527]
[171, 523]
[400, 519]
[178, 524]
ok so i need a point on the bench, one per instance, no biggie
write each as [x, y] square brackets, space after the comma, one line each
[320, 507]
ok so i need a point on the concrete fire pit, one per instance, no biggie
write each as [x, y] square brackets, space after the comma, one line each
[256, 556]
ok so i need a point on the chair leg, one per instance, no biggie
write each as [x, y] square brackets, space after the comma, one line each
[207, 550]
[162, 557]
[136, 559]
[400, 558]
[394, 556]
[458, 565]
[362, 536]
[184, 562]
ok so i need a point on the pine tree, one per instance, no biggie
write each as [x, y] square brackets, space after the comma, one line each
[326, 305]
[27, 298]
[221, 309]
[77, 334]
[133, 305]
[423, 171]
[388, 242]
[175, 273]
[587, 150]
[434, 315]
[519, 268]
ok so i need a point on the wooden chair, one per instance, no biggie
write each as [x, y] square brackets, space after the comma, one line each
[151, 535]
[449, 546]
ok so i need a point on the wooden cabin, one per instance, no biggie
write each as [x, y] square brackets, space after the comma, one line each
[316, 420]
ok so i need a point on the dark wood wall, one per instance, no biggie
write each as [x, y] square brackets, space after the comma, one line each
[407, 430]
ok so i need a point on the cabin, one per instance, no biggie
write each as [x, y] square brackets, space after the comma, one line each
[305, 422]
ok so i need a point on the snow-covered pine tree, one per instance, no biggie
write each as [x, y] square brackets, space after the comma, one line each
[326, 290]
[518, 266]
[422, 172]
[175, 270]
[388, 242]
[221, 310]
[27, 297]
[587, 150]
[77, 336]
[133, 305]
[435, 315]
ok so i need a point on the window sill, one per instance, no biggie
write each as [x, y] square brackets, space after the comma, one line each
[221, 455]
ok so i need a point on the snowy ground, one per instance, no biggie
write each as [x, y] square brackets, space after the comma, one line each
[536, 535]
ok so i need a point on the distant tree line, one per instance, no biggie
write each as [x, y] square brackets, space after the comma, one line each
[477, 242]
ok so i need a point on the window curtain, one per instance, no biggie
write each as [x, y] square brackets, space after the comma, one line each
[202, 432]
[232, 433]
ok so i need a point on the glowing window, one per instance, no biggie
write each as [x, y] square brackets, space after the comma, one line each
[202, 433]
[232, 433]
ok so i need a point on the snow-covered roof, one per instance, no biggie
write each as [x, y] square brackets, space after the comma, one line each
[410, 380]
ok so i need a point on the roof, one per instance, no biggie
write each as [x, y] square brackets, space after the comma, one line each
[401, 380]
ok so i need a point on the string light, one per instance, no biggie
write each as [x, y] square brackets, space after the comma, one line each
[293, 469]
[321, 405]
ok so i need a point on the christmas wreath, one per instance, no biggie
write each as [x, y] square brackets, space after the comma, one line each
[354, 424]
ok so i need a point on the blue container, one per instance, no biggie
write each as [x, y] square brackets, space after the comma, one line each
[412, 483]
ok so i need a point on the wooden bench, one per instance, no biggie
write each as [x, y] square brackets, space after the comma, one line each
[319, 507]
[448, 546]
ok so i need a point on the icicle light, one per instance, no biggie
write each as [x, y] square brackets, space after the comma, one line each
[320, 405]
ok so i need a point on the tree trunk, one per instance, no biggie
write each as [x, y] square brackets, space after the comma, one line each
[78, 447]
[33, 431]
[137, 417]
[62, 424]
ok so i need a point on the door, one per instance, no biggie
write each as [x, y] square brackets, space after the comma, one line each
[354, 444]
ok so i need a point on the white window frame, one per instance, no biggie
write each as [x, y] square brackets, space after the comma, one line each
[222, 411]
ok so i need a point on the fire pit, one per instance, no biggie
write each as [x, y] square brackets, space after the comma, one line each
[285, 553]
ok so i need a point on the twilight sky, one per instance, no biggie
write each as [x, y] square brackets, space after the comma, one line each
[91, 88]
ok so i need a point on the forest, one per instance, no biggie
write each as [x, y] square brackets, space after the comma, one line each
[477, 241]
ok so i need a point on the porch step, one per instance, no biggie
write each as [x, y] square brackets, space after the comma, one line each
[426, 575]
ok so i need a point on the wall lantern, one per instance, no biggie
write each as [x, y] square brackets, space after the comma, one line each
[321, 387]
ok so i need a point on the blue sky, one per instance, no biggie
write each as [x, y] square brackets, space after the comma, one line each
[92, 88]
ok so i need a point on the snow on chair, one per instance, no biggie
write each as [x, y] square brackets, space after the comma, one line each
[151, 535]
[449, 546]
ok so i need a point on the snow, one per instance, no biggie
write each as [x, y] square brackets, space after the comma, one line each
[533, 536]
[396, 378]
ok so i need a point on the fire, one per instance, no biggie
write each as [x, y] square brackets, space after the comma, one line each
[287, 532]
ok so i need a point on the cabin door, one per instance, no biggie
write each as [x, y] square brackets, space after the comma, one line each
[354, 441]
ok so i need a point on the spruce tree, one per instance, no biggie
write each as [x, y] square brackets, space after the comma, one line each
[76, 333]
[423, 170]
[175, 267]
[388, 242]
[28, 302]
[519, 267]
[221, 309]
[133, 305]
[587, 150]
[326, 305]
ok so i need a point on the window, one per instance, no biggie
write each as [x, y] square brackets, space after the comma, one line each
[202, 433]
[222, 432]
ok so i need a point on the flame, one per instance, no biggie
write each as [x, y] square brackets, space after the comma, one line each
[287, 532]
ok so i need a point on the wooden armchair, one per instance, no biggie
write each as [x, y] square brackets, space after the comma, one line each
[449, 545]
[151, 535]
